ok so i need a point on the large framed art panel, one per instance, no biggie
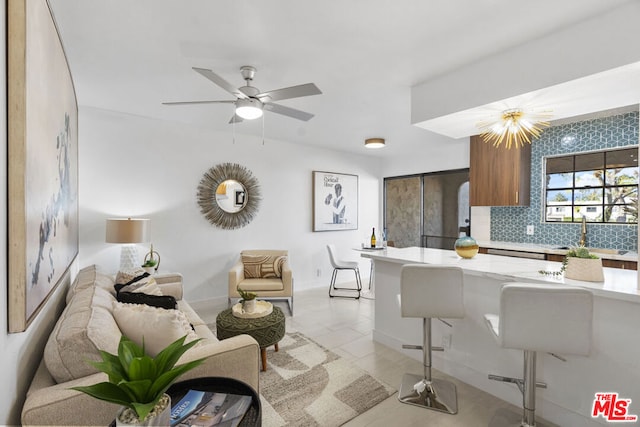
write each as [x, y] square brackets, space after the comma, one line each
[43, 161]
[335, 201]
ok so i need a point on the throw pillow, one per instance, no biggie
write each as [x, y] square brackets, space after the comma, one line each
[263, 266]
[145, 284]
[156, 326]
[126, 277]
[162, 301]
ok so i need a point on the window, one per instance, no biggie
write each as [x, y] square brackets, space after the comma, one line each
[602, 186]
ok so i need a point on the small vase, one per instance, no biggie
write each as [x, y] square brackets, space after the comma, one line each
[585, 269]
[249, 306]
[466, 247]
[163, 418]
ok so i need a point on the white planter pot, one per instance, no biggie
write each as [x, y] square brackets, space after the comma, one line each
[161, 419]
[585, 269]
[149, 270]
[249, 306]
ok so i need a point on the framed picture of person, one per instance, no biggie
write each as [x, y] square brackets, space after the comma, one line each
[335, 201]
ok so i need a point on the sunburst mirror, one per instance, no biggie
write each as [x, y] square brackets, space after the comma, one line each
[229, 196]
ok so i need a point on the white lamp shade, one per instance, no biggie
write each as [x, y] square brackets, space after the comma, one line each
[127, 230]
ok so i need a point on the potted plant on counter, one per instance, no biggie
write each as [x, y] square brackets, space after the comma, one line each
[138, 381]
[580, 264]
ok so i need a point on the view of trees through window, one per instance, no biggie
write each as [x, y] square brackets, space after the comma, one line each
[602, 186]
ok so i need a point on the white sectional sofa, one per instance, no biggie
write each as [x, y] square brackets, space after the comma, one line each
[88, 324]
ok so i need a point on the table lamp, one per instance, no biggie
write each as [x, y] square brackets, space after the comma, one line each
[127, 232]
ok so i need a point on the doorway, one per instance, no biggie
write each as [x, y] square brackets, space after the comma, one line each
[429, 210]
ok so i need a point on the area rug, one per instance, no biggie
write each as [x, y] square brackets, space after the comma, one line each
[307, 385]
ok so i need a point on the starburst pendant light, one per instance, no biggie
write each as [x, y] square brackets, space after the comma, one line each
[515, 126]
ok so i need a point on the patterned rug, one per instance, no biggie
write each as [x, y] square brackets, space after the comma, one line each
[308, 385]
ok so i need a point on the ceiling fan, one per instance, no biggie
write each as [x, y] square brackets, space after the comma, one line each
[250, 102]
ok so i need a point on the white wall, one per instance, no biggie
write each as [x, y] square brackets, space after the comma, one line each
[134, 166]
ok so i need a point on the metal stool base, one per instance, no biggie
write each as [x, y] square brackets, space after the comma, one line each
[441, 396]
[508, 418]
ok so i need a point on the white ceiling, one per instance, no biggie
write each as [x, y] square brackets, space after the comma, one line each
[365, 55]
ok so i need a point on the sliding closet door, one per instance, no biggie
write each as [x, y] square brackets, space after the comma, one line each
[429, 210]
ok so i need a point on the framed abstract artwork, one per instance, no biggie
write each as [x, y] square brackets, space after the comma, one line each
[43, 161]
[335, 201]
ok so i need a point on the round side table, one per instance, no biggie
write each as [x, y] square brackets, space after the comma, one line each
[267, 330]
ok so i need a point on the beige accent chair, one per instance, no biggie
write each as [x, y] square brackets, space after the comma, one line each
[266, 287]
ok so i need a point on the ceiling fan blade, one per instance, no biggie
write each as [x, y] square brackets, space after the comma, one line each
[236, 119]
[289, 92]
[198, 102]
[288, 111]
[220, 82]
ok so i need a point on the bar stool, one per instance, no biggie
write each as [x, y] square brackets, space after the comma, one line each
[343, 265]
[538, 317]
[428, 291]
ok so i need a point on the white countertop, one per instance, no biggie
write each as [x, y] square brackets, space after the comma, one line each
[552, 249]
[618, 284]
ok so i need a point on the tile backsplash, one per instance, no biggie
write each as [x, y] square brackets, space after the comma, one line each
[509, 224]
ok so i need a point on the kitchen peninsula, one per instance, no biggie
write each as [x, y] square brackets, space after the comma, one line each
[472, 353]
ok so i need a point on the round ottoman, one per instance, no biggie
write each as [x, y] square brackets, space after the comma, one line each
[267, 330]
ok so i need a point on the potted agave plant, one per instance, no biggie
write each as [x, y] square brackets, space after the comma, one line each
[248, 300]
[580, 264]
[139, 382]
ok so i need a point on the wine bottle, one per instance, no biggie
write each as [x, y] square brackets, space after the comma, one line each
[373, 238]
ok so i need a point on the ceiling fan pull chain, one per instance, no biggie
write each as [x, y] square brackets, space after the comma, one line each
[234, 131]
[263, 129]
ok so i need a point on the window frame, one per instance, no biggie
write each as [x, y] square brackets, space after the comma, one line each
[602, 205]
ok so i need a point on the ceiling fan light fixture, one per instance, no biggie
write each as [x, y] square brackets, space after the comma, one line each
[249, 109]
[374, 143]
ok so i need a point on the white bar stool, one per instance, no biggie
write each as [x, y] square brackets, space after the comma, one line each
[429, 291]
[338, 265]
[538, 317]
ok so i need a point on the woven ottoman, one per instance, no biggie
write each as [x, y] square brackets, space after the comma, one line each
[267, 330]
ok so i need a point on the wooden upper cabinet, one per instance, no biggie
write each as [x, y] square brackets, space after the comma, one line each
[499, 176]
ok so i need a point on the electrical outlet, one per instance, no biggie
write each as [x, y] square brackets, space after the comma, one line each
[530, 230]
[446, 341]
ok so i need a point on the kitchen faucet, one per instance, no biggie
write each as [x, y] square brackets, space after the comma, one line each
[583, 232]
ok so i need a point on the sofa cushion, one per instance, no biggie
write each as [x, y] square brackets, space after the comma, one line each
[88, 277]
[257, 285]
[158, 327]
[85, 326]
[262, 266]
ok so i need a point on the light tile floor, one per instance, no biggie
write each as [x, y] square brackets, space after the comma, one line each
[344, 326]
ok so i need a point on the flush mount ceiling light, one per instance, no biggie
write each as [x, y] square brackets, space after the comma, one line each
[515, 126]
[249, 109]
[374, 143]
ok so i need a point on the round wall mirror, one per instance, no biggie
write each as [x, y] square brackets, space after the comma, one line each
[229, 195]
